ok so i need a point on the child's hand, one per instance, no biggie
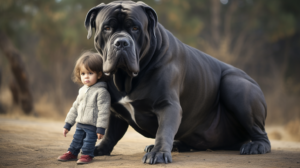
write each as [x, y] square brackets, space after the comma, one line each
[100, 136]
[65, 132]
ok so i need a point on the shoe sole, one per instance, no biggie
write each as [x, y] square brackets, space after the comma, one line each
[66, 160]
[83, 162]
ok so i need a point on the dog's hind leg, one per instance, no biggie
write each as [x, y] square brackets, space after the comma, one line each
[244, 99]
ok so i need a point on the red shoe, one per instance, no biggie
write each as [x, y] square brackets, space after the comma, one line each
[85, 159]
[67, 157]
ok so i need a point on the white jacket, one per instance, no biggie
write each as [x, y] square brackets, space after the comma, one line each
[92, 106]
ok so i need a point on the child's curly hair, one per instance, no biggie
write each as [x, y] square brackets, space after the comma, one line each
[92, 61]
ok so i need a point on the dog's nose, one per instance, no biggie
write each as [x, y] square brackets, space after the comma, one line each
[121, 42]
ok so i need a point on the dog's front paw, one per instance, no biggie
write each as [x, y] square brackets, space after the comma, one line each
[255, 147]
[157, 157]
[148, 148]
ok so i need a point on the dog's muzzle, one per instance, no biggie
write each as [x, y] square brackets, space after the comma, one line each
[121, 55]
[121, 43]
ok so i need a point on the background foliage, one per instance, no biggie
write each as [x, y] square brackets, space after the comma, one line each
[260, 37]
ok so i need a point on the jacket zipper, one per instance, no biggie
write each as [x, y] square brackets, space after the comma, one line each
[85, 104]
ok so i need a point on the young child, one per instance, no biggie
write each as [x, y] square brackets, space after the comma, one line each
[90, 110]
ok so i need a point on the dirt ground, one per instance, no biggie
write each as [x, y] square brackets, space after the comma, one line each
[37, 143]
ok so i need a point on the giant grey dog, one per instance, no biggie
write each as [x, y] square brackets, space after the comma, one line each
[169, 91]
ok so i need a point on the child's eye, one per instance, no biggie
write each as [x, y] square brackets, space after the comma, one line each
[91, 73]
[82, 73]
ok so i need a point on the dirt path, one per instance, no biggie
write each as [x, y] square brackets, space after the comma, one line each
[34, 143]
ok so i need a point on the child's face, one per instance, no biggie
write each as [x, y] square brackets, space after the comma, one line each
[89, 78]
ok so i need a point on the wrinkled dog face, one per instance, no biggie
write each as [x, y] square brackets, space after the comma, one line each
[123, 31]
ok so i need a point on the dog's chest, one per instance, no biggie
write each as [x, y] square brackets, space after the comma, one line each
[140, 110]
[126, 103]
[141, 113]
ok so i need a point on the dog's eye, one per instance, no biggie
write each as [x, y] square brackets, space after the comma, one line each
[107, 28]
[135, 28]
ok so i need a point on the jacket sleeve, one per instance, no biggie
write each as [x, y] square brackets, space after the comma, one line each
[103, 105]
[72, 114]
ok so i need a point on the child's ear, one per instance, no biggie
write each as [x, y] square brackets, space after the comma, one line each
[99, 75]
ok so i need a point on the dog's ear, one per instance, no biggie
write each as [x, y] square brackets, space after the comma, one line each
[152, 17]
[89, 22]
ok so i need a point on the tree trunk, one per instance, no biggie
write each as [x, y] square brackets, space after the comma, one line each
[1, 106]
[18, 69]
[215, 22]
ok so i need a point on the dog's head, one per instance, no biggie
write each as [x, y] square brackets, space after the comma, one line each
[123, 34]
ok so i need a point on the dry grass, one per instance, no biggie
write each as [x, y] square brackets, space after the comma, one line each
[293, 128]
[275, 135]
[44, 108]
[6, 98]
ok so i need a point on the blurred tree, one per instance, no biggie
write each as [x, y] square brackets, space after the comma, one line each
[1, 104]
[49, 32]
[20, 85]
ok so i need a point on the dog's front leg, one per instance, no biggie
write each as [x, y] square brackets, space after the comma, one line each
[169, 118]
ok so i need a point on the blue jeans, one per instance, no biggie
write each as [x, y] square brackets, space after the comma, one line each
[85, 140]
